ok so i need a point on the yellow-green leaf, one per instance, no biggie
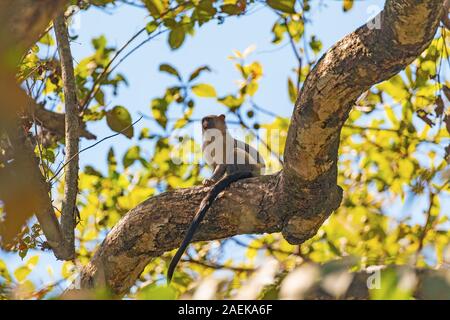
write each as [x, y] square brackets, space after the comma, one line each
[66, 270]
[131, 156]
[204, 90]
[119, 120]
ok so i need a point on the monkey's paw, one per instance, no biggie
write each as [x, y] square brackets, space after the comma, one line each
[207, 182]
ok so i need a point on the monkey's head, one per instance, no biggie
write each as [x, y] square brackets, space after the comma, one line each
[214, 122]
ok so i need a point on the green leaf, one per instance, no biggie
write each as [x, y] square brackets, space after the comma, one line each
[119, 120]
[231, 101]
[231, 9]
[145, 134]
[395, 87]
[390, 286]
[90, 170]
[204, 11]
[156, 7]
[151, 27]
[99, 43]
[100, 97]
[176, 37]
[204, 90]
[131, 156]
[278, 31]
[286, 6]
[315, 44]
[47, 39]
[194, 75]
[4, 273]
[67, 269]
[391, 116]
[159, 108]
[170, 70]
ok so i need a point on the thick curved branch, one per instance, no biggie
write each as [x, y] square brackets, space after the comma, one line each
[374, 52]
[303, 195]
[363, 58]
[158, 224]
[53, 122]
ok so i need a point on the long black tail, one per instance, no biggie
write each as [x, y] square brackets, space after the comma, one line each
[206, 203]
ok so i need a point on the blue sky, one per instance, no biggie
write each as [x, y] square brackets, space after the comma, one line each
[211, 46]
[146, 82]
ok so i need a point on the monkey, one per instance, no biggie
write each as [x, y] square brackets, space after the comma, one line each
[231, 160]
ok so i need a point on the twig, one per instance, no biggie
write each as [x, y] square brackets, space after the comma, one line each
[350, 126]
[297, 55]
[426, 227]
[218, 266]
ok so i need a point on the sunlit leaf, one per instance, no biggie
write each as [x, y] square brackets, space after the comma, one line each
[119, 120]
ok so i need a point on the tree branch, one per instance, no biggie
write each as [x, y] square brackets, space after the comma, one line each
[54, 122]
[158, 224]
[299, 199]
[69, 204]
[367, 56]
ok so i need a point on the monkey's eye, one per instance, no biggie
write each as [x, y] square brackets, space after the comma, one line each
[205, 124]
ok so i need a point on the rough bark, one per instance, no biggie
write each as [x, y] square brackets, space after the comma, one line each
[445, 19]
[23, 21]
[72, 121]
[157, 224]
[297, 200]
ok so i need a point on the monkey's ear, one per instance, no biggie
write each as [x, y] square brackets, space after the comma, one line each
[222, 117]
